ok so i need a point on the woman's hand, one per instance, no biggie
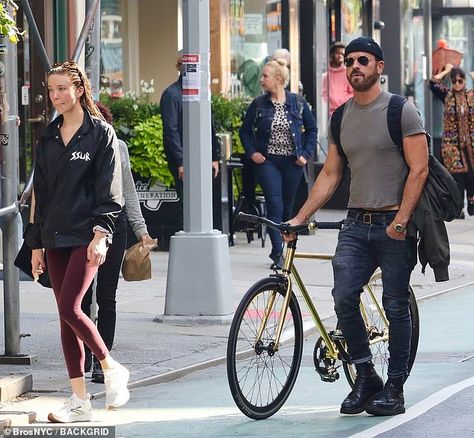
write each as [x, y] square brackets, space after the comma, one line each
[97, 249]
[301, 161]
[258, 158]
[148, 242]
[37, 263]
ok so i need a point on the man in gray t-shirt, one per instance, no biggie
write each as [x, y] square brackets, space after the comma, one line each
[385, 188]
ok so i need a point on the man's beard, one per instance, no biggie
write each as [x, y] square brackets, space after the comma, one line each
[364, 84]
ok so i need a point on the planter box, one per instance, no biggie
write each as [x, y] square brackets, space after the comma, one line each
[161, 210]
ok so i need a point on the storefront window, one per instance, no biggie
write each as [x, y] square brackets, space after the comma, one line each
[458, 3]
[111, 50]
[351, 18]
[458, 34]
[255, 33]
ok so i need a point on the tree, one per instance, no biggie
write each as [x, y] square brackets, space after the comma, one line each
[7, 22]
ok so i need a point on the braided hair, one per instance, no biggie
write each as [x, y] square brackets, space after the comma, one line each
[78, 79]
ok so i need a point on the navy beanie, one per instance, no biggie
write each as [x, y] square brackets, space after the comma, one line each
[364, 44]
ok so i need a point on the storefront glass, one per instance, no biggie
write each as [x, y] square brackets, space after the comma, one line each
[458, 3]
[458, 33]
[256, 31]
[111, 50]
[351, 19]
[414, 58]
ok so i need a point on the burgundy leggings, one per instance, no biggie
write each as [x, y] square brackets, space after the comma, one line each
[71, 277]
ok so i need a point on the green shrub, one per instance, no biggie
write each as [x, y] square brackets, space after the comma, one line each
[228, 115]
[147, 154]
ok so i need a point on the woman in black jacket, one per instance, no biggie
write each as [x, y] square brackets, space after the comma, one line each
[78, 193]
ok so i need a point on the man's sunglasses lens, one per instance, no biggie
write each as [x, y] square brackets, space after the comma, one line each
[362, 60]
[459, 81]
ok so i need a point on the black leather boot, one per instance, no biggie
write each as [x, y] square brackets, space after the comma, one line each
[390, 400]
[367, 384]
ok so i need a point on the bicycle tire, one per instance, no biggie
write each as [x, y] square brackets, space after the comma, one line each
[260, 382]
[379, 350]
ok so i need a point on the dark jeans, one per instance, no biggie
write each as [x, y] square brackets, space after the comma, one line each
[107, 281]
[465, 182]
[360, 250]
[279, 178]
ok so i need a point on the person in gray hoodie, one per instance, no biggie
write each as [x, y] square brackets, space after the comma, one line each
[108, 273]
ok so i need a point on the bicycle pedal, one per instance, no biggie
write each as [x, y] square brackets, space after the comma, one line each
[336, 335]
[330, 378]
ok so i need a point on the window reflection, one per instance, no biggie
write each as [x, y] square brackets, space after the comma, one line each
[256, 32]
[111, 50]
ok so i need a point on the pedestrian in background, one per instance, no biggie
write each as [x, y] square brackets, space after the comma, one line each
[336, 88]
[279, 135]
[457, 147]
[78, 191]
[374, 235]
[171, 108]
[109, 271]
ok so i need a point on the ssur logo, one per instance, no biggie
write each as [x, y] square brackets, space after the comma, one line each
[80, 156]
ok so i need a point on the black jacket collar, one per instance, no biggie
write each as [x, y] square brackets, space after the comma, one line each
[88, 124]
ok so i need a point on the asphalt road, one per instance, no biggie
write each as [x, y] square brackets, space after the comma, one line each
[200, 404]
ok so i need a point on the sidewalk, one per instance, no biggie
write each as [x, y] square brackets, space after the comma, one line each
[156, 352]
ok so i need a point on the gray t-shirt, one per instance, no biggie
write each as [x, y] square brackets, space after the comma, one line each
[378, 170]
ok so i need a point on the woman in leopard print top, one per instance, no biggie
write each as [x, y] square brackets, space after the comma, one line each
[279, 135]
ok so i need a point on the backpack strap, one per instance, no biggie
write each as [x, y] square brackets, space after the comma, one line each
[300, 101]
[394, 119]
[336, 121]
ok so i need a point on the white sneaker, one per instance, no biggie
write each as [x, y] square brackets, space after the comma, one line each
[75, 409]
[116, 391]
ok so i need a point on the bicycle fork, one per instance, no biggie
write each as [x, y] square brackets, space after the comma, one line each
[284, 308]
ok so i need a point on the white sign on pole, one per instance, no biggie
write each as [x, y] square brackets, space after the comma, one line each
[191, 78]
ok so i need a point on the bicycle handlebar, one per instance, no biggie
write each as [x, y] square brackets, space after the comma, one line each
[287, 228]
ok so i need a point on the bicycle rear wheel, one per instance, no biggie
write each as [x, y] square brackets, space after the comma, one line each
[261, 377]
[377, 330]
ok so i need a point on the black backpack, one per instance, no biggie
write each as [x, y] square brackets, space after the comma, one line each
[440, 185]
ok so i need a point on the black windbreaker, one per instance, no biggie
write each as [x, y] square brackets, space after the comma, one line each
[76, 187]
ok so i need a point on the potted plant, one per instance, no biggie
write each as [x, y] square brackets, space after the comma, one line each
[137, 121]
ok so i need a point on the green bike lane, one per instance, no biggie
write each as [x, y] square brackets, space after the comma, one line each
[200, 404]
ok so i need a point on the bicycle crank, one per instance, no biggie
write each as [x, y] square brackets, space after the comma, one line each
[325, 366]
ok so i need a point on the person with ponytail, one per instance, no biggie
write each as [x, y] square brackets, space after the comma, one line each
[279, 136]
[78, 195]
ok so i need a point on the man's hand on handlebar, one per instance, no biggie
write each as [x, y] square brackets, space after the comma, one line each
[288, 237]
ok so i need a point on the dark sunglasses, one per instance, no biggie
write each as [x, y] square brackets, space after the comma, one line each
[362, 60]
[458, 81]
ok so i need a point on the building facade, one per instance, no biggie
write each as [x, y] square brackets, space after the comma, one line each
[140, 39]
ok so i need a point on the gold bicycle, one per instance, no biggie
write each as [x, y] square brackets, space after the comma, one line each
[265, 342]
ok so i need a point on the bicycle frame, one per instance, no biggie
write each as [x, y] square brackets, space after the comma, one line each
[291, 275]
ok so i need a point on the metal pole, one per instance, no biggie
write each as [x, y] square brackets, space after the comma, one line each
[205, 292]
[85, 29]
[93, 50]
[427, 29]
[34, 33]
[9, 187]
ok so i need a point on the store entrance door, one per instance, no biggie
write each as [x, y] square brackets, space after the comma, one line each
[33, 93]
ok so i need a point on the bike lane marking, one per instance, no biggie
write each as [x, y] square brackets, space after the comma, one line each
[416, 410]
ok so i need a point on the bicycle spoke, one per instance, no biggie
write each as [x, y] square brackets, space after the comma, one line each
[264, 374]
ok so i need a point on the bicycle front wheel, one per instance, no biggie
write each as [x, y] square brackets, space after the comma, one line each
[377, 330]
[261, 375]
